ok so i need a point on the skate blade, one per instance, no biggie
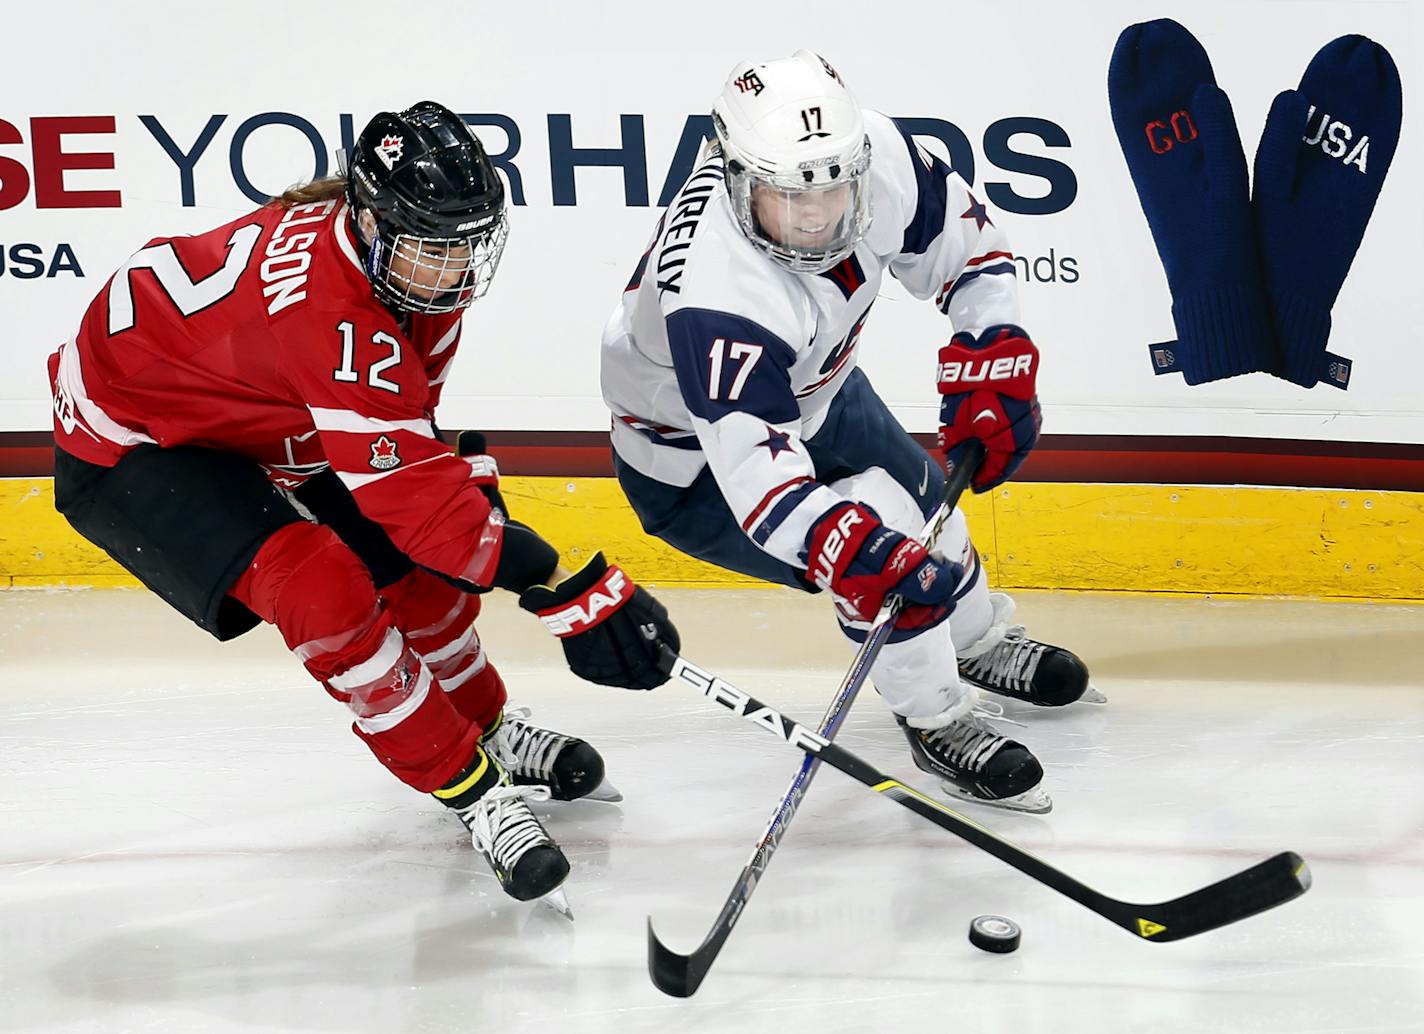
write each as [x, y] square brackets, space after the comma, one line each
[559, 902]
[1092, 696]
[1033, 801]
[604, 791]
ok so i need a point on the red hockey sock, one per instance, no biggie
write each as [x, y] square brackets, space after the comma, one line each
[438, 622]
[313, 588]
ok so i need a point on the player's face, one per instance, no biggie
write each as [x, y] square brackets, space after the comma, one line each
[429, 269]
[801, 219]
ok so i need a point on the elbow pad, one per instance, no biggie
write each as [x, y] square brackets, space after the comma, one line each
[525, 559]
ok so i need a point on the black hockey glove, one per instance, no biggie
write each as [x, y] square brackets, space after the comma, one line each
[612, 630]
[471, 446]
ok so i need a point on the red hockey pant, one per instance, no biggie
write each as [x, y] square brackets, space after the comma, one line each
[406, 661]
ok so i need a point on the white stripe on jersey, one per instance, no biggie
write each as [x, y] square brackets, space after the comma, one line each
[439, 378]
[71, 383]
[355, 423]
[344, 242]
[355, 481]
[448, 340]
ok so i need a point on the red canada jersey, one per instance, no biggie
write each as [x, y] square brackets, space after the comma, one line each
[263, 338]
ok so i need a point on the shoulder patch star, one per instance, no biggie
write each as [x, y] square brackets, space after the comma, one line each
[977, 212]
[776, 441]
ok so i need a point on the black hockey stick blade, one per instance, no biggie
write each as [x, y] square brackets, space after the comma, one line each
[1267, 884]
[681, 975]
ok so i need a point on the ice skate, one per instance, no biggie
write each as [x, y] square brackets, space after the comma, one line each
[568, 767]
[975, 763]
[1009, 663]
[523, 856]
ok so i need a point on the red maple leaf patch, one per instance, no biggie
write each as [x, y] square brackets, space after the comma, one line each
[384, 455]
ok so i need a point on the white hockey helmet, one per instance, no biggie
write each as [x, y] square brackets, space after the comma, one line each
[796, 157]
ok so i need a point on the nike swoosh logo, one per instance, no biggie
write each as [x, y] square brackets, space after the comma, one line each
[925, 481]
[985, 413]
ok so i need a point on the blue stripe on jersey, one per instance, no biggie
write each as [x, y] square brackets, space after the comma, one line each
[975, 274]
[755, 380]
[781, 511]
[690, 444]
[932, 191]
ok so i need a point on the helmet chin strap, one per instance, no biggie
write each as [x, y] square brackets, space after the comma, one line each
[366, 226]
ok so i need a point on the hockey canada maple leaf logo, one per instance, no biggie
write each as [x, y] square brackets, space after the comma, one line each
[383, 454]
[389, 150]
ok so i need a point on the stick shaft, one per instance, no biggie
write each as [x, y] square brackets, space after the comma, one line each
[682, 974]
[857, 674]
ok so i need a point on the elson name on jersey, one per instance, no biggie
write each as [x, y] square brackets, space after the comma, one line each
[288, 256]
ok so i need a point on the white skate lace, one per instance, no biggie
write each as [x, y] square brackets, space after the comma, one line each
[970, 742]
[525, 749]
[1010, 665]
[502, 826]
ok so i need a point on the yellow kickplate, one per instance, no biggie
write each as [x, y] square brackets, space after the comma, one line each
[1127, 538]
[1211, 539]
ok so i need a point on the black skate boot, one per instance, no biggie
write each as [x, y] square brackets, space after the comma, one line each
[566, 766]
[975, 763]
[1008, 662]
[523, 856]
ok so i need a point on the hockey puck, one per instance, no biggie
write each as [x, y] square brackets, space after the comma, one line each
[994, 933]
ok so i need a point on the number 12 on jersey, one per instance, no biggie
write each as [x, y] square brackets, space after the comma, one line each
[738, 351]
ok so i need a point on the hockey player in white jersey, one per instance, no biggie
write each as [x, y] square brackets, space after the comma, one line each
[745, 435]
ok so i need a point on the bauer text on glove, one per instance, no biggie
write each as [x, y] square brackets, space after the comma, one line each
[862, 561]
[989, 388]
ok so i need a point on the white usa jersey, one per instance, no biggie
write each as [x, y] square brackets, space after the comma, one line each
[718, 357]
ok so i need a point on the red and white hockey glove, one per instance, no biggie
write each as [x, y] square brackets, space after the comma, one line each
[862, 561]
[988, 384]
[471, 447]
[612, 630]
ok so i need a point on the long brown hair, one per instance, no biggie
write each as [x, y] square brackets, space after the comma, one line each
[323, 189]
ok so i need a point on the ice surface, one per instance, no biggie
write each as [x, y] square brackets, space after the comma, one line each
[192, 840]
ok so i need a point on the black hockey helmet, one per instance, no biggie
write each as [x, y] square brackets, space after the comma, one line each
[428, 208]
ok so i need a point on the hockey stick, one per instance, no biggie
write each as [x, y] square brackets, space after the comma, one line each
[680, 975]
[1265, 885]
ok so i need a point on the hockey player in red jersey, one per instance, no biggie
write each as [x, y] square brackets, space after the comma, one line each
[224, 388]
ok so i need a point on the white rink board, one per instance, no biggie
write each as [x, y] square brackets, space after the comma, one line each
[528, 64]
